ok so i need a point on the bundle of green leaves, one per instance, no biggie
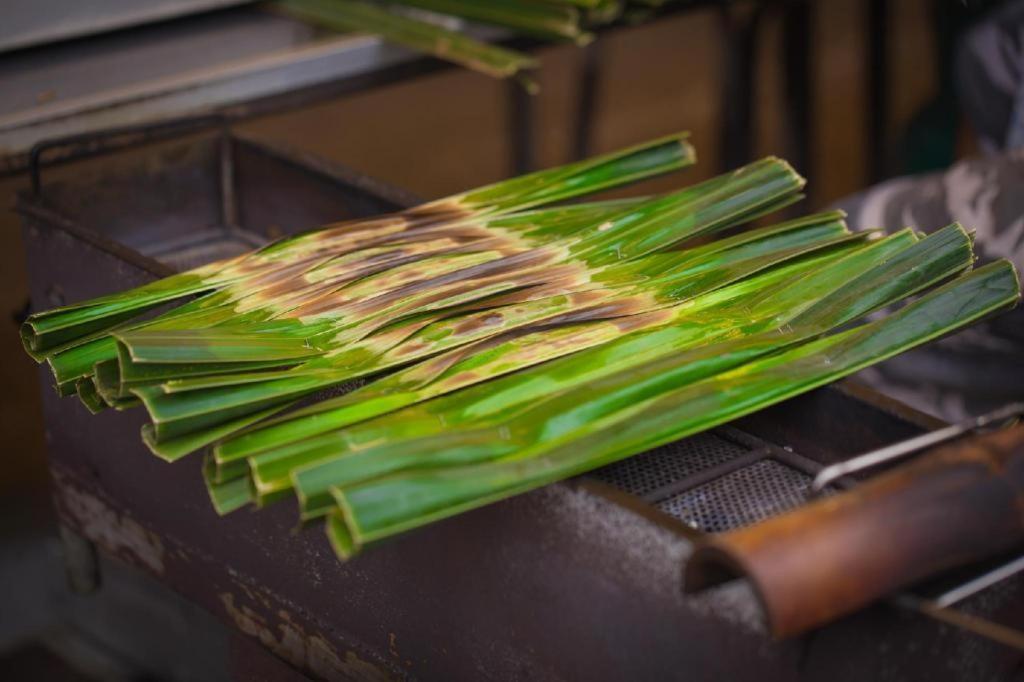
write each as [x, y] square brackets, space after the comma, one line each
[396, 370]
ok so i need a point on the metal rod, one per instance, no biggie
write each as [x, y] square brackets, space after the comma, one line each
[707, 475]
[979, 626]
[982, 582]
[906, 447]
[228, 203]
[939, 607]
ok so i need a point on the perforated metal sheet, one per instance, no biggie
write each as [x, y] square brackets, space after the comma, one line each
[742, 497]
[652, 470]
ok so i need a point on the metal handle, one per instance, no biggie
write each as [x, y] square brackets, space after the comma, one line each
[939, 608]
[889, 453]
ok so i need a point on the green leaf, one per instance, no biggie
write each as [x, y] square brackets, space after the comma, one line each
[382, 507]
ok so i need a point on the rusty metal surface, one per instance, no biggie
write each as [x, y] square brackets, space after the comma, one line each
[956, 505]
[573, 581]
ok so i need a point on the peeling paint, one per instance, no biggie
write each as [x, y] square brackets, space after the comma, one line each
[119, 534]
[309, 652]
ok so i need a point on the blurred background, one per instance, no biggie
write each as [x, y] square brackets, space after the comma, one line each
[852, 91]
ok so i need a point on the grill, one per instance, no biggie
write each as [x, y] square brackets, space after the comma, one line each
[579, 580]
[750, 494]
[649, 474]
[717, 481]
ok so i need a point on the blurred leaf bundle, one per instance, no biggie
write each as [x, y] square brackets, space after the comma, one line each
[432, 26]
[392, 371]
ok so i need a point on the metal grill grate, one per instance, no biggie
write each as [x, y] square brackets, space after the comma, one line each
[751, 494]
[662, 466]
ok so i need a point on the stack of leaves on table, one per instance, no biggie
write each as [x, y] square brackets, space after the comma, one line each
[396, 370]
